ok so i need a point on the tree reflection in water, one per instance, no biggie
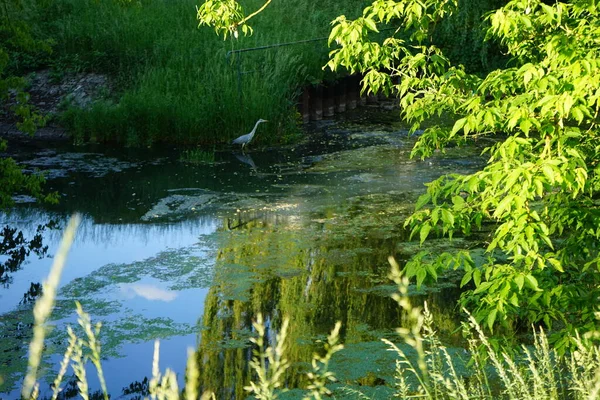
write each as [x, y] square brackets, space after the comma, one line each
[314, 272]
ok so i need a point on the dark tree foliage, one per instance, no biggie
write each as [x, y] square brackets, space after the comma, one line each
[20, 52]
[17, 248]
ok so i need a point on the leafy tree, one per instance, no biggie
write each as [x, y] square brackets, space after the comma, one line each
[17, 43]
[18, 51]
[540, 186]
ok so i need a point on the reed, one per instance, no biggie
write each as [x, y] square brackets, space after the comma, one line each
[197, 156]
[43, 308]
[532, 372]
[175, 81]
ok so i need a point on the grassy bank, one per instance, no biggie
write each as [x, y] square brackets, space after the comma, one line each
[174, 81]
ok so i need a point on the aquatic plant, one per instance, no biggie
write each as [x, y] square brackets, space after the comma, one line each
[534, 373]
[197, 156]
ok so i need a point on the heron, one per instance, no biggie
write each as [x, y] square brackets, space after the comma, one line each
[245, 139]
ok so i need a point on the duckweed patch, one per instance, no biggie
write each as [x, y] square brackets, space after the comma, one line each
[15, 334]
[308, 239]
[177, 206]
[372, 158]
[94, 165]
[181, 269]
[367, 361]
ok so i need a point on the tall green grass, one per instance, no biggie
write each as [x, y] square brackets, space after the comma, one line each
[174, 82]
[534, 373]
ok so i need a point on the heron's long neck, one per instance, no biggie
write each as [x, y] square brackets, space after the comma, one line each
[254, 130]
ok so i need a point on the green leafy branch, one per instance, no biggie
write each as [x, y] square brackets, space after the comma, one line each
[226, 17]
[540, 187]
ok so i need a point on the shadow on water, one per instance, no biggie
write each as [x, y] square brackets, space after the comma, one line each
[190, 253]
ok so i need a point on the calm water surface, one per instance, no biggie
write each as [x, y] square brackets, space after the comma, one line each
[189, 254]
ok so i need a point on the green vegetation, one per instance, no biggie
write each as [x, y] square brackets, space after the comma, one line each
[175, 82]
[14, 181]
[541, 184]
[17, 48]
[533, 208]
[197, 156]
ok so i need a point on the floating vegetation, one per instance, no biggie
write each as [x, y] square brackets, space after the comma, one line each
[304, 236]
[178, 206]
[180, 269]
[59, 165]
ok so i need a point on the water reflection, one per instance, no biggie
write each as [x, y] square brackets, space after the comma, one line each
[15, 248]
[138, 279]
[246, 159]
[303, 233]
[148, 292]
[313, 271]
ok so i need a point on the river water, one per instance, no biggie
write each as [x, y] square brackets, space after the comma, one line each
[189, 253]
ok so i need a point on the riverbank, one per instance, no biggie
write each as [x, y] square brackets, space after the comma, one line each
[172, 82]
[50, 95]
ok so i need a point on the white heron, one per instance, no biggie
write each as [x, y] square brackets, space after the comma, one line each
[245, 139]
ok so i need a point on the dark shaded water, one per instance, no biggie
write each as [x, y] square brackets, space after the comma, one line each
[190, 253]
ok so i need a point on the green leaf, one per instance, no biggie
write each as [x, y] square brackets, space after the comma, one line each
[514, 300]
[447, 217]
[520, 280]
[567, 103]
[483, 287]
[491, 318]
[488, 118]
[458, 125]
[425, 231]
[421, 275]
[548, 173]
[504, 205]
[525, 125]
[532, 283]
[432, 271]
[476, 277]
[578, 114]
[422, 200]
[466, 278]
[458, 202]
[370, 24]
[556, 264]
[527, 77]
